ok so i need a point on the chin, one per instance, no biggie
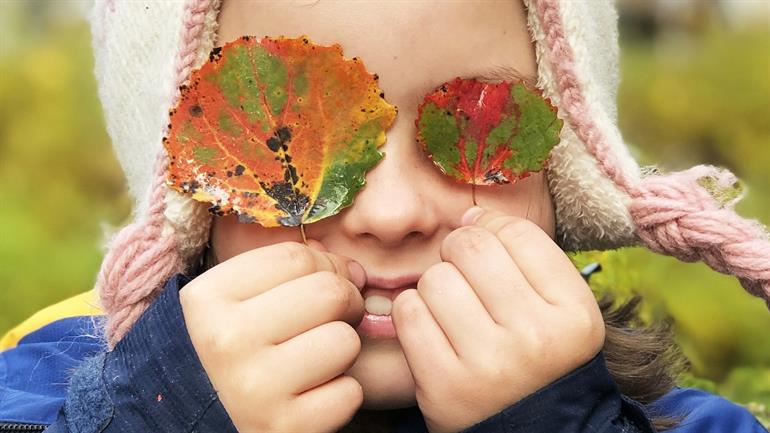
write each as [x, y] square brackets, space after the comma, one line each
[382, 371]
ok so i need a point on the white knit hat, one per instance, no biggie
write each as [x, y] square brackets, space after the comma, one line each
[144, 50]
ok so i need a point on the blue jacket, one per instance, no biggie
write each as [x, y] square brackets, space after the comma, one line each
[60, 377]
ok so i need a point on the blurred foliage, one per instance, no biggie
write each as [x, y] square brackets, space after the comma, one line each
[59, 180]
[683, 100]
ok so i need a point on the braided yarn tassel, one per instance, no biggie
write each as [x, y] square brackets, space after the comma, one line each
[142, 256]
[140, 259]
[689, 215]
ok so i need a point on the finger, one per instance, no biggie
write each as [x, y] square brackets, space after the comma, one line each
[316, 245]
[456, 308]
[426, 348]
[256, 271]
[302, 304]
[331, 405]
[332, 347]
[489, 269]
[546, 267]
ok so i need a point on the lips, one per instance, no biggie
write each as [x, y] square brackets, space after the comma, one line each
[405, 281]
[388, 287]
[378, 295]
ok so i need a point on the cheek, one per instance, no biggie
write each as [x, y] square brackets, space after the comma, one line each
[528, 198]
[230, 238]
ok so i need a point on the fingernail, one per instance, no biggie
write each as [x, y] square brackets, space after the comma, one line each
[357, 274]
[471, 215]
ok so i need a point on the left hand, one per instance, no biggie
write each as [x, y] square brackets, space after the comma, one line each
[504, 314]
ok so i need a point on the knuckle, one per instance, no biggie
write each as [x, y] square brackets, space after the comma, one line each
[537, 339]
[516, 228]
[345, 336]
[494, 372]
[435, 275]
[300, 257]
[188, 298]
[192, 296]
[333, 288]
[221, 342]
[466, 240]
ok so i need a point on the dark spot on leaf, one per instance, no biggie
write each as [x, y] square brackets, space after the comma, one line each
[196, 111]
[495, 176]
[274, 144]
[290, 174]
[215, 54]
[239, 169]
[246, 219]
[289, 200]
[284, 134]
[382, 95]
[229, 173]
[376, 77]
[190, 187]
[216, 210]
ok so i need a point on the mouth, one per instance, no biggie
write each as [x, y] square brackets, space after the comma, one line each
[378, 295]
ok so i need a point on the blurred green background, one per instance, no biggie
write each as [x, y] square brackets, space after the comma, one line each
[695, 89]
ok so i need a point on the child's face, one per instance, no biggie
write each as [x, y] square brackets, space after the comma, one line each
[397, 222]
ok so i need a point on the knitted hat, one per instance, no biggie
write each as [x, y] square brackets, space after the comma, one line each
[145, 50]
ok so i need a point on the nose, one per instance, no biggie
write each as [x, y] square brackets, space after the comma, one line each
[397, 204]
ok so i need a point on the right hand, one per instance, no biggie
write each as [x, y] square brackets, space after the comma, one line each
[274, 330]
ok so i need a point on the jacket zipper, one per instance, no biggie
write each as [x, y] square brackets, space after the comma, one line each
[21, 428]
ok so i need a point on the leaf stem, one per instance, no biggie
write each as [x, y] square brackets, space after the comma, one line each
[473, 192]
[302, 232]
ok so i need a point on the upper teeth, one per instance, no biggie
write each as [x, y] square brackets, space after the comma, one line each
[378, 305]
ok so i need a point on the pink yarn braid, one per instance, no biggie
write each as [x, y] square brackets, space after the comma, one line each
[677, 216]
[140, 257]
[673, 214]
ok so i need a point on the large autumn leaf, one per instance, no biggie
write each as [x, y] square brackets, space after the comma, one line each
[484, 133]
[278, 131]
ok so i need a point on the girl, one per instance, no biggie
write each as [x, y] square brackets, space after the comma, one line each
[216, 325]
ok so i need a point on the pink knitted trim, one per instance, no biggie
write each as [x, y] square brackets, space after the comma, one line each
[673, 214]
[572, 99]
[141, 258]
[190, 40]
